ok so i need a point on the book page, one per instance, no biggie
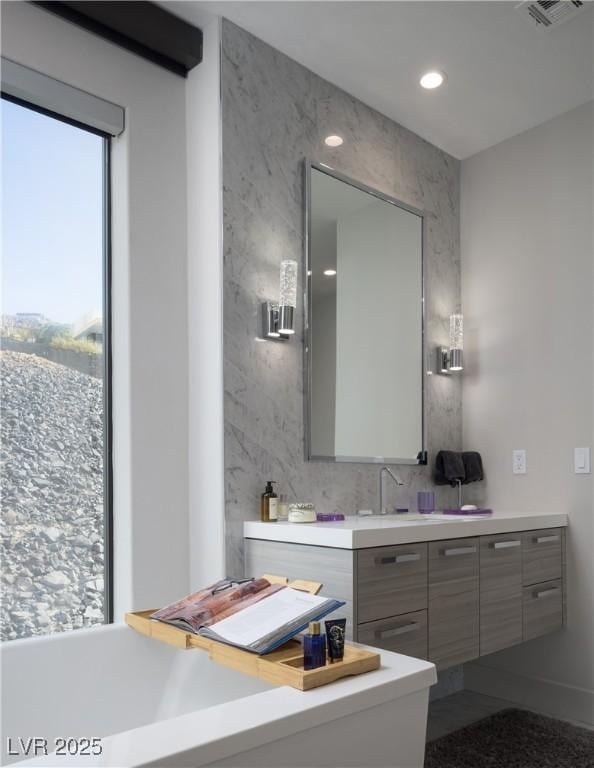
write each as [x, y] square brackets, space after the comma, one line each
[215, 603]
[266, 617]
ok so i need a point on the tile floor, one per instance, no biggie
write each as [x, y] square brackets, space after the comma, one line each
[463, 708]
[459, 709]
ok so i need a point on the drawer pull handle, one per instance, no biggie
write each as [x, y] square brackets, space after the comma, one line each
[546, 592]
[506, 544]
[398, 559]
[412, 627]
[546, 539]
[411, 558]
[459, 551]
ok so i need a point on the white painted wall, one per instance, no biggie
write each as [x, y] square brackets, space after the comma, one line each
[205, 313]
[150, 329]
[378, 329]
[527, 282]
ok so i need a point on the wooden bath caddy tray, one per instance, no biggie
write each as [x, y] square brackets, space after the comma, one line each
[281, 667]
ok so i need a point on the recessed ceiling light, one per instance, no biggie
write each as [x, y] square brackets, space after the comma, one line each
[329, 272]
[333, 141]
[432, 79]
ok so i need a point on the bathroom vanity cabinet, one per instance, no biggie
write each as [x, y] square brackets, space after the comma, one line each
[448, 600]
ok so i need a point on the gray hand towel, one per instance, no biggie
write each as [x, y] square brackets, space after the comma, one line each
[449, 468]
[473, 466]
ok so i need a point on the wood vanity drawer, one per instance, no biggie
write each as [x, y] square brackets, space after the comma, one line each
[403, 634]
[501, 561]
[391, 581]
[453, 616]
[542, 555]
[543, 608]
[332, 567]
[500, 591]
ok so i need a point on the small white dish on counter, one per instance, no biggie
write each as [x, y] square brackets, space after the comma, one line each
[302, 513]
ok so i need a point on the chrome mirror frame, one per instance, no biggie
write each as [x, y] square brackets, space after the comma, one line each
[421, 457]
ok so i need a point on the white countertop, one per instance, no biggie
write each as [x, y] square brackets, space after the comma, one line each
[358, 532]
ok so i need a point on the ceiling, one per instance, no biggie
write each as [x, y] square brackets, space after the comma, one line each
[504, 76]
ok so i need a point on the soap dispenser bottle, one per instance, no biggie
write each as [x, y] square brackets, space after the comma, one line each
[314, 647]
[269, 504]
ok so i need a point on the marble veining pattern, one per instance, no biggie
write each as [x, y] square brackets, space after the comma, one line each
[276, 114]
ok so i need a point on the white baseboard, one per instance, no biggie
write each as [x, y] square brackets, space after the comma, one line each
[539, 695]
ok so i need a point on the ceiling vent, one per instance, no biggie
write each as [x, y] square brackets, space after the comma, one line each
[546, 14]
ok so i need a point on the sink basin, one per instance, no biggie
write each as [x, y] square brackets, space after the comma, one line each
[411, 517]
[404, 517]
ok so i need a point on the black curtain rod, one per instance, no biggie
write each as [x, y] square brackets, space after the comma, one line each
[140, 27]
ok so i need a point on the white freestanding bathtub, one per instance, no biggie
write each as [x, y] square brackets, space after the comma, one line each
[153, 705]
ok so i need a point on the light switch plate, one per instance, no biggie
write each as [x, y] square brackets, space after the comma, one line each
[581, 461]
[519, 461]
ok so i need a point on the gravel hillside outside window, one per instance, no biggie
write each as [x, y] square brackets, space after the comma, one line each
[51, 521]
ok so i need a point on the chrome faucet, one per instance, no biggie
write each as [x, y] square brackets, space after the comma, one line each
[395, 478]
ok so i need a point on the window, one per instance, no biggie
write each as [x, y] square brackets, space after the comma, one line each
[55, 542]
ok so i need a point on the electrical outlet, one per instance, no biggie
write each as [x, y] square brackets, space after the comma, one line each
[519, 462]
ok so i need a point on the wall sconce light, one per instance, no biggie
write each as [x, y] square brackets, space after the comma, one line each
[451, 359]
[278, 318]
[270, 320]
[287, 296]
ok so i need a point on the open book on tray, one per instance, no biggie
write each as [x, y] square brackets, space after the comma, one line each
[252, 614]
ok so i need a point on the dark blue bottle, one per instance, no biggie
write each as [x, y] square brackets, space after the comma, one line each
[314, 647]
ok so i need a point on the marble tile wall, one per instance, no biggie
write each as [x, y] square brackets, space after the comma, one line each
[276, 113]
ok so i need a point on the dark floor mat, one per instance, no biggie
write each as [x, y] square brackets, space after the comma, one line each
[513, 738]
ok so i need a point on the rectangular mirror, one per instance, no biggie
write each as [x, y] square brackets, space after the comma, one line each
[364, 323]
